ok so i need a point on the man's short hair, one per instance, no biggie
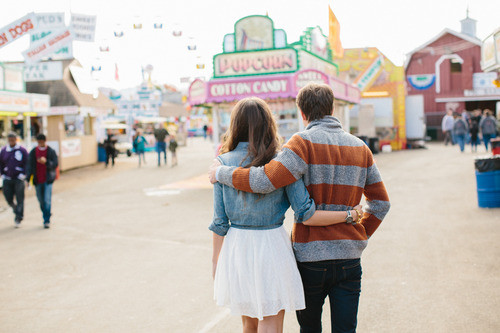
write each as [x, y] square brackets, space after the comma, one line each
[12, 135]
[41, 137]
[315, 101]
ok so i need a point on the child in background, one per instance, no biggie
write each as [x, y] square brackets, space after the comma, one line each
[173, 147]
[140, 146]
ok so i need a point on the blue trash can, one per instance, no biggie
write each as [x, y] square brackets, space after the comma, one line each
[101, 153]
[488, 189]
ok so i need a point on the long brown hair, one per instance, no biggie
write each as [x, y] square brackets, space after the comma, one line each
[252, 121]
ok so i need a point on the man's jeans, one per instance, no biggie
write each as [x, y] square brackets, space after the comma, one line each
[161, 147]
[44, 195]
[11, 188]
[448, 138]
[460, 139]
[340, 280]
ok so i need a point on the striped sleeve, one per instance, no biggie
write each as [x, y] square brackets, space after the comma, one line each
[286, 168]
[376, 198]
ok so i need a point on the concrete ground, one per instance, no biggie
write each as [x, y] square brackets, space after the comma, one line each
[129, 251]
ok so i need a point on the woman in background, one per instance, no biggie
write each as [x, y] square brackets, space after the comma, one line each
[140, 146]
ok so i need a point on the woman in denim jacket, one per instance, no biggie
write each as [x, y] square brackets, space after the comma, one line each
[254, 268]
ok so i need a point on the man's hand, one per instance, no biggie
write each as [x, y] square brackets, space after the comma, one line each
[42, 160]
[213, 170]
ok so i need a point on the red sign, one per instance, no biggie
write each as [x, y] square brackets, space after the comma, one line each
[17, 29]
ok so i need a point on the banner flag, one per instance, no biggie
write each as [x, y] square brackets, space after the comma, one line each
[334, 35]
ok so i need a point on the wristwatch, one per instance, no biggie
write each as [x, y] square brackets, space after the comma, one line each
[349, 219]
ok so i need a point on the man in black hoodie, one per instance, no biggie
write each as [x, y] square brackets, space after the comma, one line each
[42, 164]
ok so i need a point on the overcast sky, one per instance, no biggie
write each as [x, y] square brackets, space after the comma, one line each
[394, 26]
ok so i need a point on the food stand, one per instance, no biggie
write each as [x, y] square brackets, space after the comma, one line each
[71, 125]
[382, 86]
[258, 61]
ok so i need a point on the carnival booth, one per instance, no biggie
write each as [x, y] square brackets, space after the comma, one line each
[258, 61]
[381, 112]
[487, 84]
[71, 125]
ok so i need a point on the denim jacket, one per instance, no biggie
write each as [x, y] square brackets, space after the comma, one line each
[238, 209]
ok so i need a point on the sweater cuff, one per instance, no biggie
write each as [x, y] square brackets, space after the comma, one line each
[224, 175]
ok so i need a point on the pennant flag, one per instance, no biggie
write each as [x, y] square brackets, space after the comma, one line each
[334, 34]
[117, 78]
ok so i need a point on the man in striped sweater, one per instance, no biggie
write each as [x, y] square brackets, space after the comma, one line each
[337, 169]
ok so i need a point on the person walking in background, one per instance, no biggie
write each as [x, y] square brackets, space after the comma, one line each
[42, 167]
[460, 131]
[488, 127]
[172, 146]
[447, 127]
[13, 167]
[474, 129]
[337, 169]
[205, 130]
[140, 146]
[466, 117]
[109, 146]
[161, 134]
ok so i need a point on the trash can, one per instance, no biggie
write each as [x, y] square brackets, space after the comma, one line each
[488, 181]
[101, 153]
[374, 145]
[495, 146]
[363, 138]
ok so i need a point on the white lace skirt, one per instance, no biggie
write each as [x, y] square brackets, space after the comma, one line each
[257, 275]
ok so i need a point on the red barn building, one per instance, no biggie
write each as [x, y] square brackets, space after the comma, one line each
[446, 71]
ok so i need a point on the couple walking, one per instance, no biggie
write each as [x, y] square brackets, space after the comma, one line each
[322, 173]
[17, 167]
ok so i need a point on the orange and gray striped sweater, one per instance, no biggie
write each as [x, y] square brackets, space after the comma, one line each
[337, 169]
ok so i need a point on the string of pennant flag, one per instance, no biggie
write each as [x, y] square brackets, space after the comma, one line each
[52, 39]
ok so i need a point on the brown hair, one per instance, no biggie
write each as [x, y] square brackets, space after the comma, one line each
[253, 122]
[315, 101]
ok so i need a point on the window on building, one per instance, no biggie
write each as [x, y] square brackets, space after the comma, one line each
[455, 67]
[73, 125]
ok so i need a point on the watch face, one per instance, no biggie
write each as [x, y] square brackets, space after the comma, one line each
[349, 219]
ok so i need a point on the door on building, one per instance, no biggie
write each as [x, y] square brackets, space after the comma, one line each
[415, 120]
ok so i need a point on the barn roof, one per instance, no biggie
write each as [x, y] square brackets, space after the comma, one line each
[444, 32]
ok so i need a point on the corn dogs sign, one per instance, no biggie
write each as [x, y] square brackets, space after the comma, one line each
[17, 29]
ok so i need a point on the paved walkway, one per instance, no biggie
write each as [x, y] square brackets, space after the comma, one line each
[129, 251]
